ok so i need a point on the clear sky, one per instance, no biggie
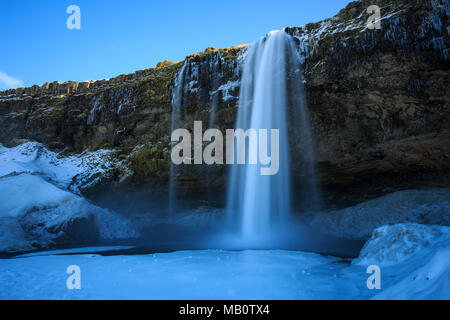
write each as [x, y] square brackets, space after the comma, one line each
[119, 37]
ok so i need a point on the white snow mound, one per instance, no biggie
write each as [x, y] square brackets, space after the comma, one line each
[39, 192]
[414, 261]
[25, 192]
[391, 245]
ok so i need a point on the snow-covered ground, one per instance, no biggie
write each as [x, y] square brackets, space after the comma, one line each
[414, 262]
[415, 259]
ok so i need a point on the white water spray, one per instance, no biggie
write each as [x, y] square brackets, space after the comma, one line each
[271, 71]
[177, 103]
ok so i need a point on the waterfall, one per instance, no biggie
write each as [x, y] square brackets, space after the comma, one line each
[215, 71]
[272, 69]
[177, 103]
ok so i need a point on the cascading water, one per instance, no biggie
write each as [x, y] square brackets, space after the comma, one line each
[215, 70]
[177, 102]
[272, 69]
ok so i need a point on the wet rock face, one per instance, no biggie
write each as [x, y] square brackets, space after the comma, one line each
[379, 99]
[124, 111]
[379, 103]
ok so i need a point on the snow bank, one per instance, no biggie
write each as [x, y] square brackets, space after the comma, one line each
[36, 214]
[430, 282]
[431, 207]
[25, 192]
[414, 259]
[392, 245]
[39, 204]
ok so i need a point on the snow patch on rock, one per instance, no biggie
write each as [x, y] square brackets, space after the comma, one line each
[391, 245]
[65, 172]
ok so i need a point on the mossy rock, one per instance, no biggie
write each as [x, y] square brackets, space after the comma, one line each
[150, 162]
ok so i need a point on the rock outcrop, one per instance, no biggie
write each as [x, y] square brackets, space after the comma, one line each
[379, 99]
[379, 103]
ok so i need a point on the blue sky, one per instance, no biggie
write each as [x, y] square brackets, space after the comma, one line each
[119, 37]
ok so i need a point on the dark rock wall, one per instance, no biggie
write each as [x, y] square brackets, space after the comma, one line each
[379, 99]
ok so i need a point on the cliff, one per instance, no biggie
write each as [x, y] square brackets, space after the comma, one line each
[379, 103]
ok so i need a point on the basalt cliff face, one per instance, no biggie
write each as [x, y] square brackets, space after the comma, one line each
[379, 104]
